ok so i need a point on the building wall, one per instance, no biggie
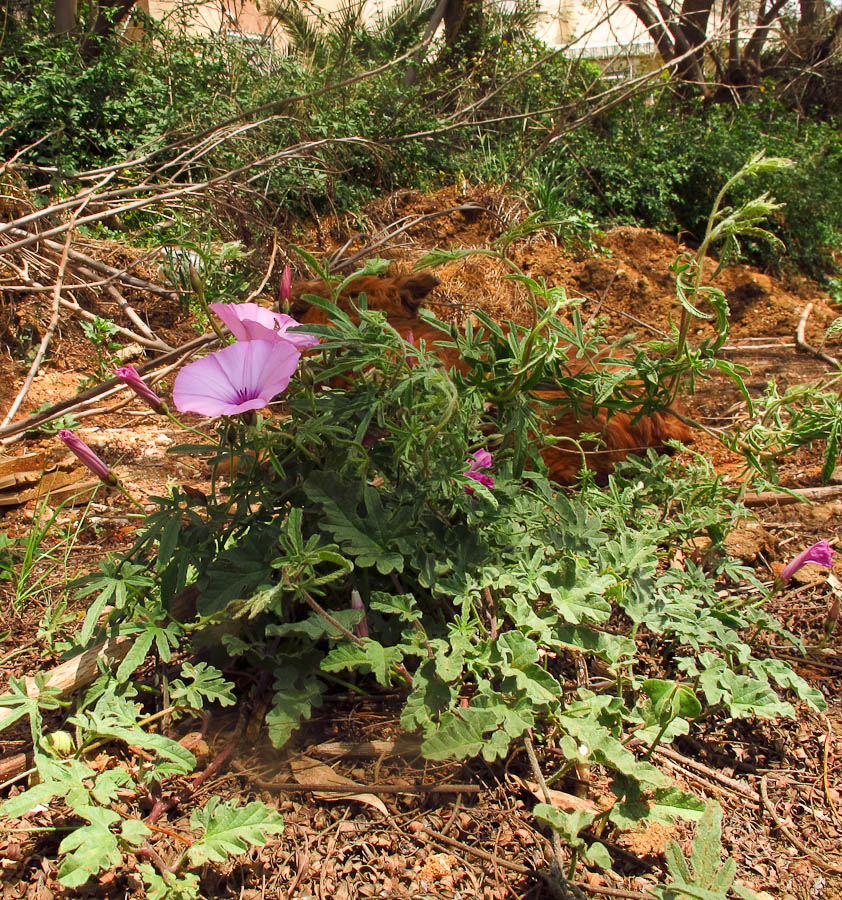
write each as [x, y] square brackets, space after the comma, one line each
[596, 28]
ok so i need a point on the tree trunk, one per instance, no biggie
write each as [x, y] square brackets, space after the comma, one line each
[463, 29]
[65, 16]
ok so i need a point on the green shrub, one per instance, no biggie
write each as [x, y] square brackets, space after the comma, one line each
[662, 167]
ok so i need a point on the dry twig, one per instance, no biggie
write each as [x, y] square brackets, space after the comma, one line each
[801, 340]
[793, 838]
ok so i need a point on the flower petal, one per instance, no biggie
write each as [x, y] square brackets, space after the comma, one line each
[820, 553]
[480, 460]
[242, 377]
[253, 322]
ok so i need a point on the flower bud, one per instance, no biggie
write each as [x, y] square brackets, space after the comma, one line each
[128, 375]
[286, 288]
[361, 628]
[87, 456]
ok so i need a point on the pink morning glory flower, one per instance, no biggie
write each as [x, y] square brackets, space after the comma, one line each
[85, 455]
[286, 285]
[236, 379]
[128, 375]
[819, 553]
[252, 322]
[479, 460]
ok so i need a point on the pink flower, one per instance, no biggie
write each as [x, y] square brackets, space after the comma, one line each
[361, 628]
[86, 455]
[128, 375]
[819, 553]
[286, 285]
[236, 379]
[252, 322]
[479, 460]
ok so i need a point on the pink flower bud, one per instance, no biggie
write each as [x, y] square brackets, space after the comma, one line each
[286, 285]
[361, 628]
[86, 456]
[476, 461]
[128, 375]
[819, 553]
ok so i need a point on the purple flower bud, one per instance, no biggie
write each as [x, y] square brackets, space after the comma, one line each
[361, 628]
[128, 375]
[286, 285]
[819, 553]
[479, 460]
[86, 455]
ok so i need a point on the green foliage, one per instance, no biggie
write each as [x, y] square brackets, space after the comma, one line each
[663, 165]
[703, 876]
[229, 830]
[108, 713]
[473, 600]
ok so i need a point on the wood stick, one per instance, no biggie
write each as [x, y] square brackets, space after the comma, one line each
[801, 341]
[98, 390]
[101, 267]
[48, 334]
[79, 671]
[765, 498]
[293, 787]
[793, 838]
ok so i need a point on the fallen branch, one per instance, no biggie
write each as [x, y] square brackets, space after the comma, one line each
[81, 670]
[48, 334]
[291, 787]
[801, 341]
[796, 495]
[99, 390]
[103, 268]
[74, 674]
[560, 884]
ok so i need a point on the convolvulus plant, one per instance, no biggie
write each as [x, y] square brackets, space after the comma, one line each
[393, 518]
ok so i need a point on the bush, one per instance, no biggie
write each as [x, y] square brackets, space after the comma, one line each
[662, 167]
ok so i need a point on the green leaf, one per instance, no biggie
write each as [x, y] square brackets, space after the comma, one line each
[296, 693]
[567, 824]
[136, 656]
[230, 829]
[39, 795]
[370, 655]
[459, 736]
[134, 832]
[184, 886]
[597, 854]
[208, 684]
[315, 627]
[600, 744]
[87, 851]
[379, 539]
[669, 804]
[782, 674]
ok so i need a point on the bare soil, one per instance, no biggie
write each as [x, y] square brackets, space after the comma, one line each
[478, 843]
